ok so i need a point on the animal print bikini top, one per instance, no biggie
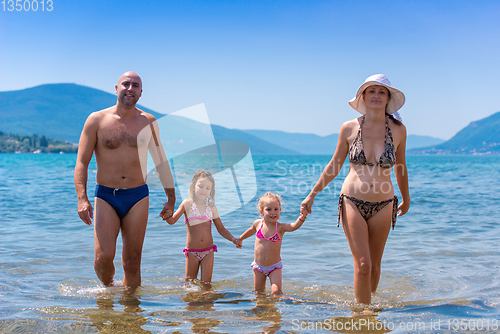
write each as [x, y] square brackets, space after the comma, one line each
[357, 153]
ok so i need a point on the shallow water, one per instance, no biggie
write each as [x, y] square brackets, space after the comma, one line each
[440, 271]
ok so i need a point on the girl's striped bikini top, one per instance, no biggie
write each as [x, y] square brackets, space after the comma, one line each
[194, 213]
[275, 237]
[357, 153]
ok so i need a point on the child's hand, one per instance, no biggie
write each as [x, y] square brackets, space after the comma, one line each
[167, 211]
[237, 242]
[168, 214]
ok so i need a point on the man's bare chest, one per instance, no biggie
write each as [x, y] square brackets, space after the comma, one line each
[115, 134]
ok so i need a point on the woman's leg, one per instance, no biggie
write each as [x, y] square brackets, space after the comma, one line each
[357, 234]
[379, 227]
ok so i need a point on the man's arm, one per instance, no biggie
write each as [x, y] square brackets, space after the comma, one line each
[163, 169]
[88, 140]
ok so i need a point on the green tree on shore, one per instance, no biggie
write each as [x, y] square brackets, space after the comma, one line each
[15, 143]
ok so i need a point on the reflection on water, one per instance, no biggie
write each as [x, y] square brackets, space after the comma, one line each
[266, 311]
[201, 301]
[105, 318]
[121, 310]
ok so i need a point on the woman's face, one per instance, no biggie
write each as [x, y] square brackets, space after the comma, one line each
[376, 97]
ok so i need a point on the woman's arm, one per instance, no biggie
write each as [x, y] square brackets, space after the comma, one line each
[180, 210]
[401, 173]
[331, 170]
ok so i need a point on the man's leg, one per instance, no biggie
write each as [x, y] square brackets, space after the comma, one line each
[106, 229]
[133, 233]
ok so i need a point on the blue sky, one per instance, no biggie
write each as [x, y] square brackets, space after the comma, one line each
[275, 65]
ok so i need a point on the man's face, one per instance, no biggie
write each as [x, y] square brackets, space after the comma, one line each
[129, 89]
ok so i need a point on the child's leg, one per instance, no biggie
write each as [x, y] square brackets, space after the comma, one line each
[207, 268]
[275, 279]
[192, 265]
[259, 280]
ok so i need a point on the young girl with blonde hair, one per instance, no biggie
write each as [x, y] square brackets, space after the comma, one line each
[269, 235]
[200, 248]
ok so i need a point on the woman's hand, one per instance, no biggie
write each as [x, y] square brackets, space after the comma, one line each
[306, 205]
[403, 207]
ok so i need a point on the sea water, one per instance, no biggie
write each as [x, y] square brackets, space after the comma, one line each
[440, 271]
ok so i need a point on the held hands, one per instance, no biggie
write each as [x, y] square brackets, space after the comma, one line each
[237, 242]
[168, 210]
[306, 206]
[85, 211]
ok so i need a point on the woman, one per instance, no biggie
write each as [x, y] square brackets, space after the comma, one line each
[374, 142]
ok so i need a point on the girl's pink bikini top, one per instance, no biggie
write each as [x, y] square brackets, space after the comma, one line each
[274, 238]
[195, 214]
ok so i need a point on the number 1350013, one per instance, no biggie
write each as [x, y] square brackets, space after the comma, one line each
[27, 5]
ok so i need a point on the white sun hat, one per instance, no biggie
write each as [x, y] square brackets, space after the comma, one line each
[397, 97]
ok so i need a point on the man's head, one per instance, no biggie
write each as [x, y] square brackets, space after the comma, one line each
[129, 88]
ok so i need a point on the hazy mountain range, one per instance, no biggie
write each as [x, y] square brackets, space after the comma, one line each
[308, 143]
[60, 110]
[479, 137]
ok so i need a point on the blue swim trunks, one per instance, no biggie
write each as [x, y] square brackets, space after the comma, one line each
[121, 199]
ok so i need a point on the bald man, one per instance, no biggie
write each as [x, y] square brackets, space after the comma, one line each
[120, 137]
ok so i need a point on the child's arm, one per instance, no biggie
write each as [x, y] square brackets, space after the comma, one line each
[251, 231]
[298, 223]
[175, 217]
[223, 231]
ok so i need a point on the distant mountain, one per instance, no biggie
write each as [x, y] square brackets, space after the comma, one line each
[416, 141]
[257, 145]
[60, 110]
[182, 128]
[479, 137]
[305, 143]
[314, 144]
[54, 110]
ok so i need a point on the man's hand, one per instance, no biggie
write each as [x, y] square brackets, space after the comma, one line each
[168, 210]
[85, 211]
